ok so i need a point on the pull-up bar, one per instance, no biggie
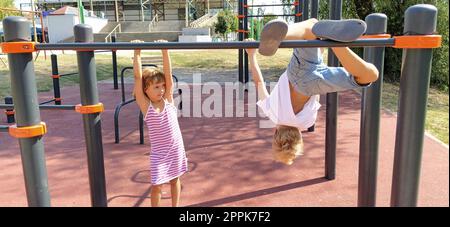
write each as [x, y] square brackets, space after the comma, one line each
[210, 45]
[417, 42]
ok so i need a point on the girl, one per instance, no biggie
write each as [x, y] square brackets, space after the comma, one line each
[153, 91]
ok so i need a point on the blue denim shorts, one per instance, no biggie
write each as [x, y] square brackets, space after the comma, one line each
[310, 76]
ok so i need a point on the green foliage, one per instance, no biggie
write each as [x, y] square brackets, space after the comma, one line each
[269, 17]
[395, 13]
[7, 4]
[227, 22]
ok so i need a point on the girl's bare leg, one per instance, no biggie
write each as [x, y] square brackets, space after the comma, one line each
[175, 187]
[301, 30]
[156, 195]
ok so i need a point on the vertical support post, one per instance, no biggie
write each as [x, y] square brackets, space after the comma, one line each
[9, 112]
[114, 64]
[414, 83]
[332, 105]
[55, 76]
[370, 117]
[241, 38]
[305, 14]
[298, 9]
[24, 93]
[246, 75]
[141, 128]
[315, 9]
[92, 122]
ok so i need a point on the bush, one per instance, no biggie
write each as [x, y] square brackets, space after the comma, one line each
[395, 13]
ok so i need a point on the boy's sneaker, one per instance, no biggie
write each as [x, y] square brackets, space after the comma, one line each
[340, 30]
[271, 36]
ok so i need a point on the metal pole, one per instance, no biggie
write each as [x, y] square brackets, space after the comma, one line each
[241, 38]
[370, 117]
[24, 93]
[414, 83]
[9, 112]
[305, 15]
[389, 42]
[55, 75]
[298, 9]
[315, 9]
[332, 105]
[114, 64]
[91, 122]
[246, 75]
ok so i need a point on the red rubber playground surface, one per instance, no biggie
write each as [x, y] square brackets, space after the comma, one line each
[230, 162]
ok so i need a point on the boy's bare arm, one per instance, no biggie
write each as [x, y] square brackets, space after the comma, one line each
[257, 75]
[141, 99]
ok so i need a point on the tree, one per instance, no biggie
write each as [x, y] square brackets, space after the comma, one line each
[226, 23]
[7, 4]
[394, 10]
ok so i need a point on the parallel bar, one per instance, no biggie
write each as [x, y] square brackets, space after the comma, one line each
[268, 5]
[4, 128]
[43, 107]
[389, 42]
[370, 118]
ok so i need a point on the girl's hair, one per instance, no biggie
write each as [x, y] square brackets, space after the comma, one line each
[150, 76]
[287, 144]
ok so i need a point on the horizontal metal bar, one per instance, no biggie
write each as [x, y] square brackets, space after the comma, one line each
[69, 74]
[273, 15]
[4, 128]
[210, 45]
[269, 5]
[42, 107]
[49, 101]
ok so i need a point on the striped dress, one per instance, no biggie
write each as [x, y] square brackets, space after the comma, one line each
[167, 155]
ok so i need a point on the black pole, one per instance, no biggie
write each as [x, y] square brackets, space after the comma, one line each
[246, 75]
[56, 76]
[114, 64]
[414, 83]
[370, 117]
[332, 105]
[305, 14]
[241, 38]
[9, 112]
[92, 121]
[24, 93]
[315, 9]
[298, 10]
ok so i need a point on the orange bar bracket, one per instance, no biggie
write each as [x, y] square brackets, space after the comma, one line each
[28, 131]
[298, 14]
[418, 41]
[17, 47]
[240, 16]
[97, 108]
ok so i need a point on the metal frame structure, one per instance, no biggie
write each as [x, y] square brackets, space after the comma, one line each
[415, 79]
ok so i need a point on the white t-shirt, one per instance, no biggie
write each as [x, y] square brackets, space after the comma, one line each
[278, 107]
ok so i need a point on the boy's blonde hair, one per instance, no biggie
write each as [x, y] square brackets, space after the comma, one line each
[287, 144]
[151, 75]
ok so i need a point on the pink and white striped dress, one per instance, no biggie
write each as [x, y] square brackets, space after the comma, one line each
[167, 156]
